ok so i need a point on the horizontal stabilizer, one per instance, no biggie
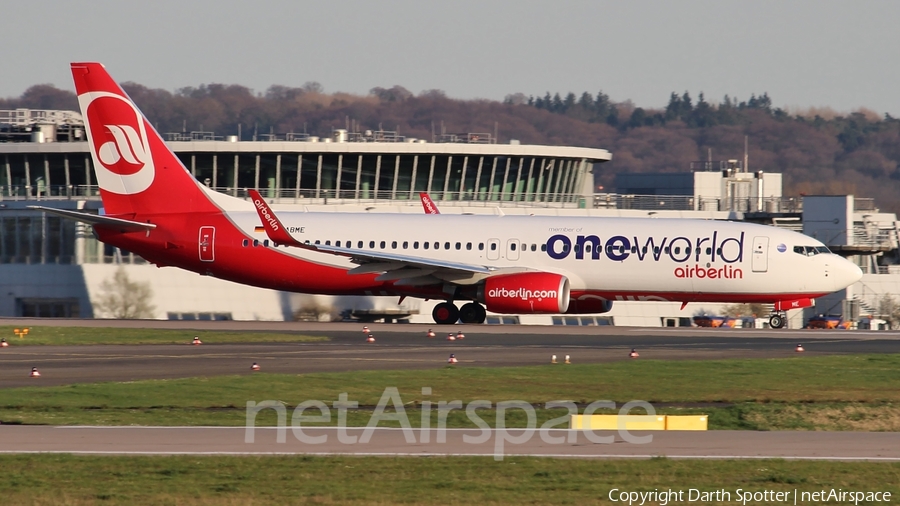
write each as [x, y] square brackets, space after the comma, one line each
[96, 219]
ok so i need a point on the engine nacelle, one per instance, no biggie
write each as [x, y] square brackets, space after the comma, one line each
[526, 293]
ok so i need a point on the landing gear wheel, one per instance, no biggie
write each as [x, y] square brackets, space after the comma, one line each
[445, 313]
[472, 312]
[776, 321]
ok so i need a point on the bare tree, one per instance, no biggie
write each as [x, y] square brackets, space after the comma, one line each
[122, 298]
[889, 309]
[752, 309]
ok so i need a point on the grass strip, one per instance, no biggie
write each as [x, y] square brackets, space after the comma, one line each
[73, 336]
[76, 480]
[843, 392]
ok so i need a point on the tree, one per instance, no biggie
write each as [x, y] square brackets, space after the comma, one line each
[889, 309]
[122, 298]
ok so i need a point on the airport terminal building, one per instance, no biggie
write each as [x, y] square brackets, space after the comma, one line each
[55, 267]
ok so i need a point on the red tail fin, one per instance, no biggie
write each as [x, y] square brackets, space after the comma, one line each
[137, 172]
[428, 204]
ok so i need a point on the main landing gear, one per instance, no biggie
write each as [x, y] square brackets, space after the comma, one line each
[776, 321]
[446, 313]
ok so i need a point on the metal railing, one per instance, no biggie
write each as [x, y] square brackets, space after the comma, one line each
[404, 197]
[53, 192]
[690, 203]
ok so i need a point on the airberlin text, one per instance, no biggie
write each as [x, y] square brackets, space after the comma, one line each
[264, 210]
[681, 250]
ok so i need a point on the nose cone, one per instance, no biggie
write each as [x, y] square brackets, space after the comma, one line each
[844, 273]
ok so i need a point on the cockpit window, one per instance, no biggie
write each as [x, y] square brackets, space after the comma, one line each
[811, 250]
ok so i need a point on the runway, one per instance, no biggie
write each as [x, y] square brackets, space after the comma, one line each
[848, 446]
[406, 347]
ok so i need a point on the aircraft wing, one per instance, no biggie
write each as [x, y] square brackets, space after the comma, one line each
[96, 219]
[404, 269]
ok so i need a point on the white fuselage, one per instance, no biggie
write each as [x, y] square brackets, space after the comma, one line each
[647, 258]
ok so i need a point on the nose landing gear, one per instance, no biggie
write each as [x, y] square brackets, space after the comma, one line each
[776, 321]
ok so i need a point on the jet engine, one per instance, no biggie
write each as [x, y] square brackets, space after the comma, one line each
[526, 292]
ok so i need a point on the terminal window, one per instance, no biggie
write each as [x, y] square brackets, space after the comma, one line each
[48, 308]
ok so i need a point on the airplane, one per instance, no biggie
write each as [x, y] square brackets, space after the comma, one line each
[428, 204]
[155, 208]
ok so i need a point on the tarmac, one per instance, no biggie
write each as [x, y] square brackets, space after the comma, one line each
[406, 347]
[789, 445]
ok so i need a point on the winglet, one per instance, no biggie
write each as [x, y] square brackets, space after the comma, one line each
[428, 204]
[274, 229]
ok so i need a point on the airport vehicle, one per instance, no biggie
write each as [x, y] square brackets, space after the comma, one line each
[827, 322]
[504, 264]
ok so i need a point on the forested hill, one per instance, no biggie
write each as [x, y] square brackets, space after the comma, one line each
[819, 151]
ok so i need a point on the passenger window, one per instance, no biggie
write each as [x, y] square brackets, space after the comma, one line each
[317, 242]
[446, 245]
[493, 246]
[425, 244]
[256, 242]
[480, 246]
[393, 244]
[405, 244]
[645, 250]
[372, 244]
[382, 244]
[565, 248]
[512, 246]
[416, 245]
[458, 246]
[543, 247]
[245, 243]
[534, 247]
[708, 251]
[634, 249]
[656, 250]
[437, 245]
[266, 243]
[337, 244]
[327, 243]
[666, 251]
[677, 249]
[719, 251]
[468, 246]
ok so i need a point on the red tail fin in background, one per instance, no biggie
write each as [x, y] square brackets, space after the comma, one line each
[137, 172]
[428, 204]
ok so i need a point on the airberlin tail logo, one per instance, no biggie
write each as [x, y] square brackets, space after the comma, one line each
[119, 143]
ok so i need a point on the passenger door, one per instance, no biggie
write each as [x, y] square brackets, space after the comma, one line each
[760, 260]
[207, 244]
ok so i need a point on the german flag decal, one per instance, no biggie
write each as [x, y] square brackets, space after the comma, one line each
[259, 229]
